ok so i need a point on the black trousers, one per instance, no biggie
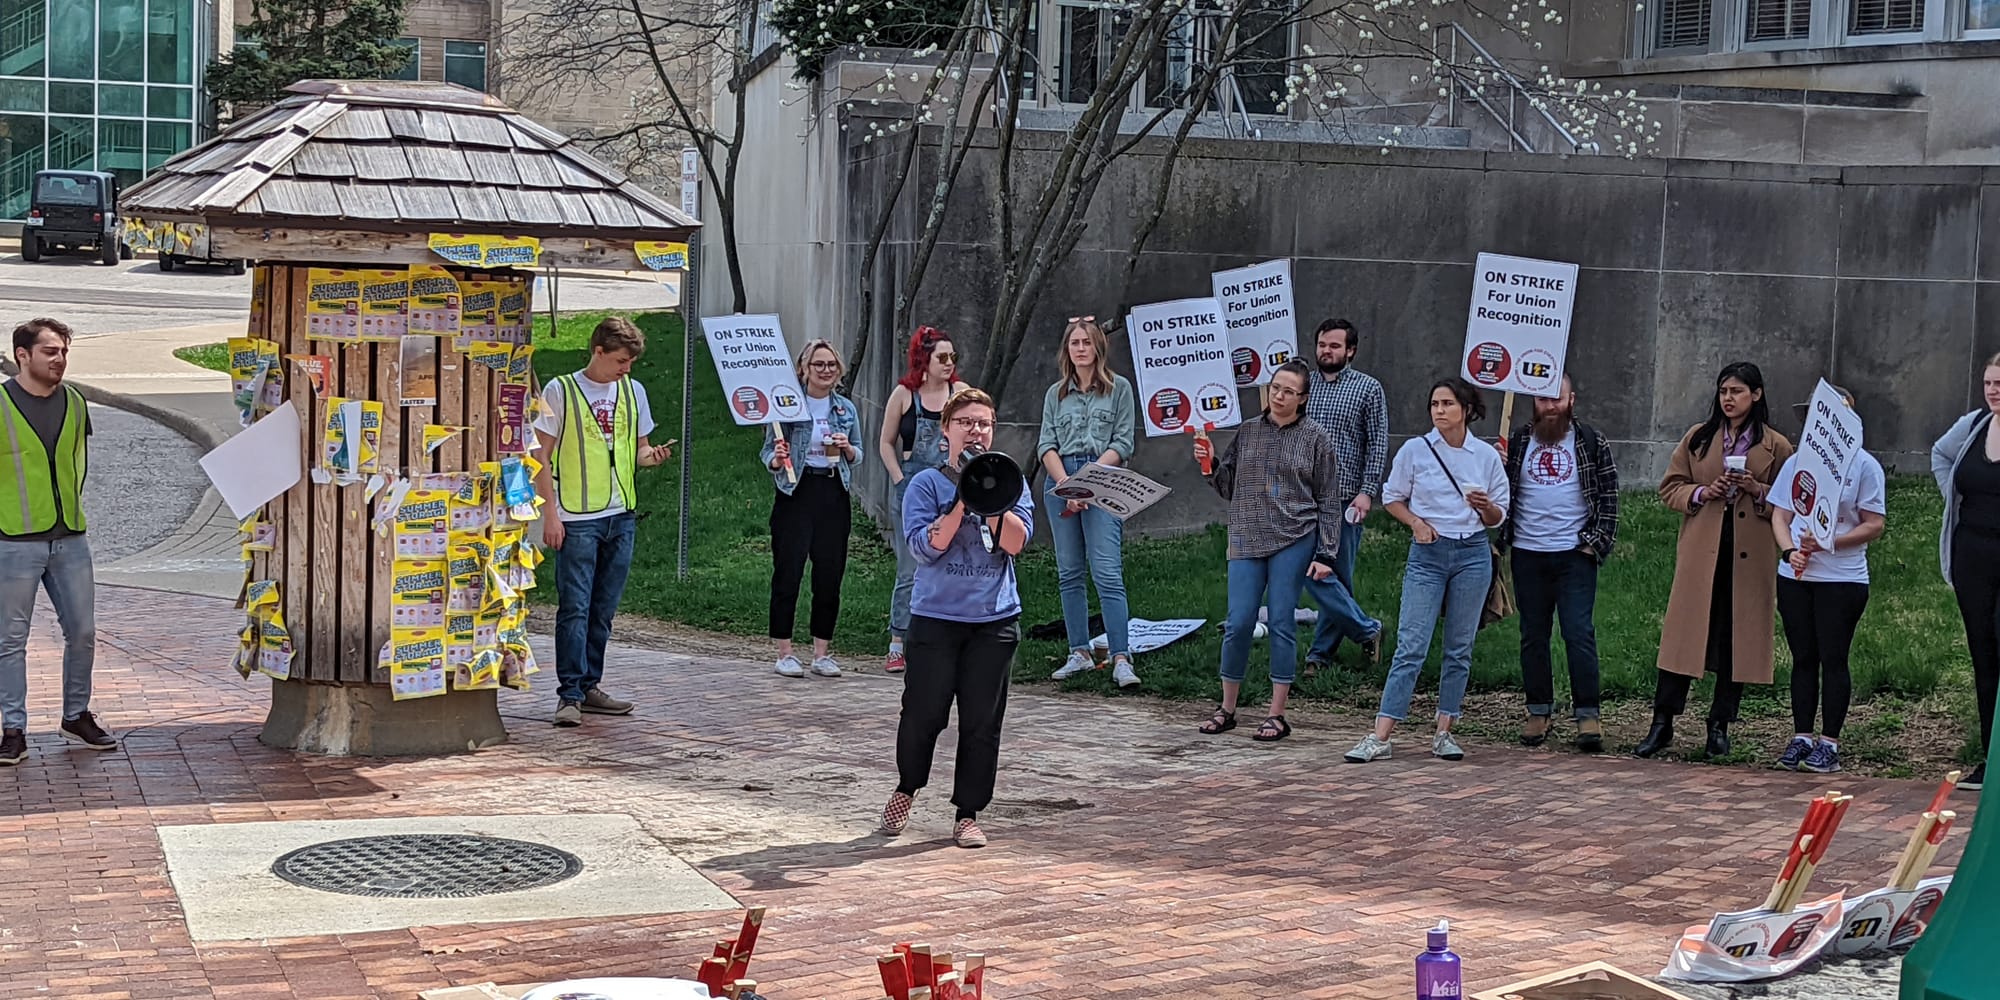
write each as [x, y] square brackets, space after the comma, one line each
[1670, 693]
[813, 523]
[1546, 585]
[1820, 619]
[1975, 570]
[969, 663]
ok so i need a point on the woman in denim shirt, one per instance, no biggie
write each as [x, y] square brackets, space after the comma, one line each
[811, 514]
[1088, 416]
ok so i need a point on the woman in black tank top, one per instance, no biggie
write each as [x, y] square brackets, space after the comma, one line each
[911, 441]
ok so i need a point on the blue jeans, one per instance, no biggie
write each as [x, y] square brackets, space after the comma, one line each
[1340, 614]
[1448, 576]
[63, 568]
[1284, 573]
[1091, 541]
[590, 578]
[1548, 585]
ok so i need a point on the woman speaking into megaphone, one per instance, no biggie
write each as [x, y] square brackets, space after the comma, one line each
[965, 613]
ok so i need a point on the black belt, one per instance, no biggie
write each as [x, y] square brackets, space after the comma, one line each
[820, 470]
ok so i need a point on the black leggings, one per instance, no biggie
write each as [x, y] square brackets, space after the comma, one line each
[813, 523]
[1819, 627]
[1975, 571]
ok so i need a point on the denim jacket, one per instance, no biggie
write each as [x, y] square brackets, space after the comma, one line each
[799, 433]
[1088, 423]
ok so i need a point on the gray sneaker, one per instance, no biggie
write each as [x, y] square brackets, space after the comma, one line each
[1446, 748]
[1370, 748]
[825, 667]
[789, 666]
[569, 714]
[598, 703]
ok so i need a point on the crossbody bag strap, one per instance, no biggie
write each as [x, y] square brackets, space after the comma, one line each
[1446, 468]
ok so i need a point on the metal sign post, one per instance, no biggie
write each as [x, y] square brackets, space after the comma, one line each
[690, 318]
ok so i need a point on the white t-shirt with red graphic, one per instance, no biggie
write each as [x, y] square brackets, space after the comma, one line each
[1549, 505]
[602, 398]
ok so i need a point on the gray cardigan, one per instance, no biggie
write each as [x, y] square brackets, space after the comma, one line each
[1946, 454]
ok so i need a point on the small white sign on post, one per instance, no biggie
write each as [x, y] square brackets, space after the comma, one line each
[1257, 310]
[1825, 460]
[1116, 490]
[755, 366]
[1517, 331]
[691, 181]
[1180, 351]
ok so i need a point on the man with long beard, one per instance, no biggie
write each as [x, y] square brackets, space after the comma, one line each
[1565, 519]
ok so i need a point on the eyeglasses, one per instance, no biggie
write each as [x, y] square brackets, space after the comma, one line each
[973, 423]
[824, 366]
[945, 356]
[1284, 392]
[1082, 319]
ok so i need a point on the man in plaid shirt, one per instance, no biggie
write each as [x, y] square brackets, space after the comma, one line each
[1564, 521]
[1350, 406]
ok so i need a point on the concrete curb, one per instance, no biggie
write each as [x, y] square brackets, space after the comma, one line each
[195, 430]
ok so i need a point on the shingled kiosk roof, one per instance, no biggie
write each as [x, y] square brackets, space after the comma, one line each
[385, 157]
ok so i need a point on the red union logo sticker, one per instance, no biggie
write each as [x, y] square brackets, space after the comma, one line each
[1805, 491]
[1489, 363]
[1168, 409]
[1247, 364]
[750, 404]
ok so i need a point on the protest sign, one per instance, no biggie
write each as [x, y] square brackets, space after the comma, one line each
[1146, 635]
[755, 366]
[1517, 331]
[1180, 351]
[1116, 490]
[1257, 310]
[1825, 460]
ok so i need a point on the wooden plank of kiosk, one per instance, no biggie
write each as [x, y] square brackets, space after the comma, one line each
[382, 568]
[260, 326]
[288, 295]
[452, 376]
[323, 558]
[356, 658]
[391, 249]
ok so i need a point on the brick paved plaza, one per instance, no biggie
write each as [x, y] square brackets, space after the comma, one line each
[1127, 851]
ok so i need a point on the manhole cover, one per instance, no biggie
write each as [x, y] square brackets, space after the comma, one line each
[426, 866]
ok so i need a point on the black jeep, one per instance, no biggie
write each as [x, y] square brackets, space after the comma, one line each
[74, 209]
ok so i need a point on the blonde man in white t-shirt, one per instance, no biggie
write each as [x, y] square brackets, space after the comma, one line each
[1822, 590]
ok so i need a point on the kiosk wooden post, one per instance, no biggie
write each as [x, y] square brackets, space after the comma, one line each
[359, 174]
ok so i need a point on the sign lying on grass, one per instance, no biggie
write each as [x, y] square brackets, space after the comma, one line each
[755, 367]
[1257, 310]
[1147, 635]
[1180, 351]
[1517, 330]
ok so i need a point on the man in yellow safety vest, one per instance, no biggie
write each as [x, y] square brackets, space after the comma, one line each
[43, 459]
[593, 433]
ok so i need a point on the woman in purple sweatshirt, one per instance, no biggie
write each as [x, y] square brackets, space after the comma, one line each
[964, 625]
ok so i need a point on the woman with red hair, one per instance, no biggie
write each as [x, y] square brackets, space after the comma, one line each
[912, 440]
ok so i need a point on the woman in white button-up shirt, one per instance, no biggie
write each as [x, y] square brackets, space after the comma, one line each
[1448, 487]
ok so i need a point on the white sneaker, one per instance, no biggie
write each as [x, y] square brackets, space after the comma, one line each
[1369, 749]
[789, 666]
[1121, 671]
[825, 667]
[1078, 662]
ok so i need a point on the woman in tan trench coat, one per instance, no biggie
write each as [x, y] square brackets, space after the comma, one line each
[1720, 615]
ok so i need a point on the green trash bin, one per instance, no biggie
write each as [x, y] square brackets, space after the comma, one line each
[1954, 960]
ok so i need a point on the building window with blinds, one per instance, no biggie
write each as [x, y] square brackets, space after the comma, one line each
[1885, 17]
[1682, 24]
[1777, 21]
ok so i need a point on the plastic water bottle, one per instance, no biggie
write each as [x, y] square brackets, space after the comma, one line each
[1438, 972]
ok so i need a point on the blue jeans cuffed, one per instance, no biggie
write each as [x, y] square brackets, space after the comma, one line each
[1283, 573]
[1448, 576]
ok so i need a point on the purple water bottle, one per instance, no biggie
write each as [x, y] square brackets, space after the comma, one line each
[1438, 974]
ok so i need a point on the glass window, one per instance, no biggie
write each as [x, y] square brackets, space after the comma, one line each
[1682, 24]
[465, 64]
[1885, 17]
[21, 95]
[1982, 15]
[121, 149]
[72, 34]
[1266, 33]
[121, 39]
[1169, 72]
[72, 144]
[1076, 64]
[24, 36]
[1777, 20]
[122, 101]
[59, 190]
[410, 70]
[164, 140]
[169, 102]
[72, 99]
[169, 41]
[21, 151]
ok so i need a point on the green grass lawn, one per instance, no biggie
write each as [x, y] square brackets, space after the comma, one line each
[1910, 647]
[214, 357]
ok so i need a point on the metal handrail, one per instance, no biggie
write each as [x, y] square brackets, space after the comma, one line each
[1516, 92]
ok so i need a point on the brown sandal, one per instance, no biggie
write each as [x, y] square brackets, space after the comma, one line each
[1220, 722]
[1268, 733]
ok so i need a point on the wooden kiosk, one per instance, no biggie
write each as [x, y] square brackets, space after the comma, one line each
[360, 176]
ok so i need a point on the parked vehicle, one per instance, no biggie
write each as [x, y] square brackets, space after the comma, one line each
[196, 252]
[72, 209]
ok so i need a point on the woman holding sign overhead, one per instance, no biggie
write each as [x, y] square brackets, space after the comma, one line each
[911, 441]
[812, 466]
[1088, 416]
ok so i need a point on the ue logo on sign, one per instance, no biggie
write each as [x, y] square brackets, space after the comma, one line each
[1168, 409]
[1489, 364]
[786, 402]
[1214, 401]
[750, 404]
[1247, 364]
[1537, 369]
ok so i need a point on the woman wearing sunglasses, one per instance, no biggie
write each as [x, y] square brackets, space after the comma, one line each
[811, 515]
[1088, 416]
[912, 440]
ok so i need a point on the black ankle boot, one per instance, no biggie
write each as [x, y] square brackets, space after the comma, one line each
[1658, 738]
[1718, 739]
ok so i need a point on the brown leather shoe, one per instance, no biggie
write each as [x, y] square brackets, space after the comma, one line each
[1536, 730]
[598, 703]
[1589, 735]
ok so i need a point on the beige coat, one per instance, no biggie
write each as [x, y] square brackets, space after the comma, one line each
[1684, 637]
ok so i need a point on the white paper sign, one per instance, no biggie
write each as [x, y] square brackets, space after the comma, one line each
[1517, 331]
[1116, 490]
[1147, 636]
[1180, 351]
[1257, 310]
[257, 464]
[1885, 918]
[755, 366]
[1825, 460]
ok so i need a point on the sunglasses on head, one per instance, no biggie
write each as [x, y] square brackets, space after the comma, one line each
[1073, 320]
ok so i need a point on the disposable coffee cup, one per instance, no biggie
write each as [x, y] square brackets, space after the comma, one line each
[1736, 463]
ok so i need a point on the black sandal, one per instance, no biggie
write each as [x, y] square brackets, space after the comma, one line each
[1267, 733]
[1220, 722]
